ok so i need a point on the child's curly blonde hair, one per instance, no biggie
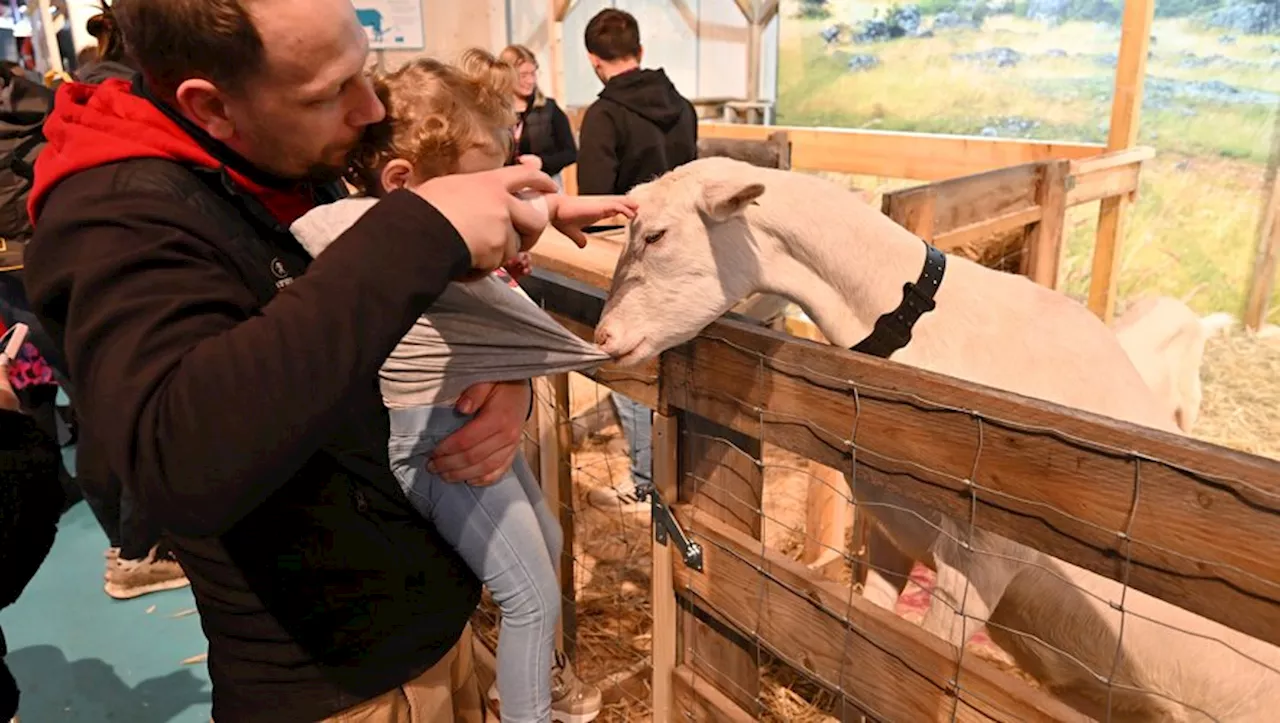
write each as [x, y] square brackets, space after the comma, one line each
[436, 112]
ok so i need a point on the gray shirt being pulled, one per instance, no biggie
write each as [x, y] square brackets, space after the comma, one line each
[482, 331]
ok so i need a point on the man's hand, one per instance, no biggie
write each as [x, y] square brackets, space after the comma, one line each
[571, 214]
[483, 451]
[495, 225]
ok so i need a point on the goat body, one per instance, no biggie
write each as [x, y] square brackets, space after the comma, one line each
[714, 231]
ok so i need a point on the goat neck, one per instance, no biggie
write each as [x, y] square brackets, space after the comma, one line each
[843, 262]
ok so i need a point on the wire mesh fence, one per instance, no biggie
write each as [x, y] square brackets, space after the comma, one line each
[1113, 652]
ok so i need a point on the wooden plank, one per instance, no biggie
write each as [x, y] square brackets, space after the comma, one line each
[698, 701]
[1126, 108]
[556, 10]
[666, 471]
[888, 666]
[916, 156]
[974, 233]
[983, 217]
[1206, 535]
[557, 485]
[1267, 259]
[768, 153]
[1112, 159]
[720, 478]
[1044, 243]
[1105, 183]
[745, 7]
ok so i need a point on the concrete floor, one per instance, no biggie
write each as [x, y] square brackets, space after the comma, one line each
[78, 655]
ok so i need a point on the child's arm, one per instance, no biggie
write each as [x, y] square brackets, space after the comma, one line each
[571, 214]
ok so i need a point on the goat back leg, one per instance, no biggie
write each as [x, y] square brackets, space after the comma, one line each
[888, 570]
[970, 582]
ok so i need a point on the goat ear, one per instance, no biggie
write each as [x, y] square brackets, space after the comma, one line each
[723, 200]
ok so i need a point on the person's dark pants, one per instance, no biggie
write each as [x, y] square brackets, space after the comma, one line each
[113, 506]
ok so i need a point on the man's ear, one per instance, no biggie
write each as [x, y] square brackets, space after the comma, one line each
[202, 103]
[722, 200]
[396, 174]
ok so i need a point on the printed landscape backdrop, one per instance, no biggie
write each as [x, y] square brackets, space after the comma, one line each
[1044, 69]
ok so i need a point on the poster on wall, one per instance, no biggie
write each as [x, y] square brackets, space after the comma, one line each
[392, 24]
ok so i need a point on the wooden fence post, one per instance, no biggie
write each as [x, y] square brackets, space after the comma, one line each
[666, 476]
[1044, 250]
[720, 478]
[555, 470]
[1268, 258]
[1131, 71]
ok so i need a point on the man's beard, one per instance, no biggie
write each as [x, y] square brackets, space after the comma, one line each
[326, 173]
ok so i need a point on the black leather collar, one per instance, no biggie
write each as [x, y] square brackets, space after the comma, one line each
[893, 330]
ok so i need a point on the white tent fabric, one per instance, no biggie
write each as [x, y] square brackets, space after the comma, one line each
[483, 331]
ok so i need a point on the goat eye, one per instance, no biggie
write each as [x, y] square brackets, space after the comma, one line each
[654, 237]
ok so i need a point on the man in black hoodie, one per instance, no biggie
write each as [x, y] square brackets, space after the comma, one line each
[641, 127]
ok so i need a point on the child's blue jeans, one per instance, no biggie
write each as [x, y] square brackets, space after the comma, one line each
[508, 536]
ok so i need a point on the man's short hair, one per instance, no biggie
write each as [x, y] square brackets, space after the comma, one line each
[175, 40]
[613, 35]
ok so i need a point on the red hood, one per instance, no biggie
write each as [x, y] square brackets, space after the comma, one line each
[93, 125]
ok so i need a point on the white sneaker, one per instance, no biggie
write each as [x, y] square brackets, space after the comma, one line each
[572, 699]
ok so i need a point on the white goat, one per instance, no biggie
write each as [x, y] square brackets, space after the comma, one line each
[1165, 341]
[715, 231]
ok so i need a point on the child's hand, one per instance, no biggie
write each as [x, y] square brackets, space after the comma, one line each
[574, 213]
[519, 267]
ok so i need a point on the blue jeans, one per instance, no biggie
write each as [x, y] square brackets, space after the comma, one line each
[637, 427]
[508, 536]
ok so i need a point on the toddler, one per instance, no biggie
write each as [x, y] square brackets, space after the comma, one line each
[442, 120]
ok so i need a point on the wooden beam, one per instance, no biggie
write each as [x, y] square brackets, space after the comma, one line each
[560, 9]
[666, 471]
[1267, 259]
[556, 10]
[1110, 174]
[768, 11]
[916, 156]
[1126, 109]
[745, 6]
[887, 666]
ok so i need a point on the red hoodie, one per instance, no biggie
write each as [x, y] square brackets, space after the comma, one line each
[94, 125]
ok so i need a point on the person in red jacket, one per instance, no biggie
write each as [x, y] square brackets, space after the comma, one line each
[231, 382]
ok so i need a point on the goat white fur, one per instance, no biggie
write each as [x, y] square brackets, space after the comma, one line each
[1165, 341]
[714, 231]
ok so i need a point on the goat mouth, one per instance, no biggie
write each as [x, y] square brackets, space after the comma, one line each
[633, 354]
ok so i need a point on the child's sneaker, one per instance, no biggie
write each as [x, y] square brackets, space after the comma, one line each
[572, 700]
